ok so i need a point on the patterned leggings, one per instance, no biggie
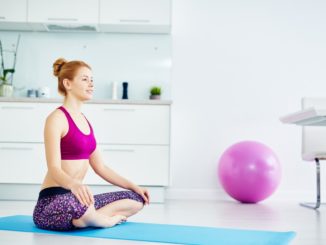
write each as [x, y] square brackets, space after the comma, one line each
[57, 207]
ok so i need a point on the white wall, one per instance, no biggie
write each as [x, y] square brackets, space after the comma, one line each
[237, 67]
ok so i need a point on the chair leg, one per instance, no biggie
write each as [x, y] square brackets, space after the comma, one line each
[318, 203]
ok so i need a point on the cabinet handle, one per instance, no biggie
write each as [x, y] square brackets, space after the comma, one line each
[2, 17]
[134, 21]
[17, 107]
[120, 150]
[16, 148]
[117, 109]
[62, 19]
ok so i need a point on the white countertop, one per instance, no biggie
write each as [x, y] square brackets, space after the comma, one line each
[94, 101]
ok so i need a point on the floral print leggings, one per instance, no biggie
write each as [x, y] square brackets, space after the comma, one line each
[57, 207]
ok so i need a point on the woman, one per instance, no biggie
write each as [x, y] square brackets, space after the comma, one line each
[64, 202]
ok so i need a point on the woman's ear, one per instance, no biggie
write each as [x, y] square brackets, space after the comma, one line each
[67, 84]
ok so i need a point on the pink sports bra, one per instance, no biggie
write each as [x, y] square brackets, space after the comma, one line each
[75, 144]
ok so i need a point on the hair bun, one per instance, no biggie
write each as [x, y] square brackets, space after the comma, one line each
[57, 65]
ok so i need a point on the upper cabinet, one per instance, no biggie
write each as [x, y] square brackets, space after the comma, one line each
[135, 16]
[128, 16]
[13, 15]
[53, 15]
[13, 10]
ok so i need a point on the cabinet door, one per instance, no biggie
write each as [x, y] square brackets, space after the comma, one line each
[13, 10]
[63, 11]
[133, 13]
[23, 122]
[22, 163]
[130, 124]
[143, 165]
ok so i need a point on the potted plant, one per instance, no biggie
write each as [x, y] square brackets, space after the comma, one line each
[155, 93]
[6, 75]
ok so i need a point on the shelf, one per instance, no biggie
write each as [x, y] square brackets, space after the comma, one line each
[306, 117]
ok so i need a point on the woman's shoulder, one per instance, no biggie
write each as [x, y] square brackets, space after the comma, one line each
[55, 124]
[55, 117]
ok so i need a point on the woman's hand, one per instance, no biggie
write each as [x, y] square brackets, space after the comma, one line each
[143, 192]
[83, 193]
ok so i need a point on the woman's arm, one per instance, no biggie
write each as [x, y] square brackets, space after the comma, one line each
[112, 177]
[52, 135]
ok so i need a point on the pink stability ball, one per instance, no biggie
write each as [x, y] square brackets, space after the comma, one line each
[249, 171]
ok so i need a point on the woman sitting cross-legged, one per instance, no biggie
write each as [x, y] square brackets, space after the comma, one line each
[64, 202]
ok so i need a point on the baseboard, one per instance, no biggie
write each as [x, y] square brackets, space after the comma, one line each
[29, 192]
[220, 195]
[193, 194]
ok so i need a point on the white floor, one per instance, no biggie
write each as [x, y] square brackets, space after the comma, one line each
[310, 225]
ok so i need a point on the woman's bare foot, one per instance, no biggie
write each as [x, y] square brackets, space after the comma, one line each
[116, 219]
[95, 219]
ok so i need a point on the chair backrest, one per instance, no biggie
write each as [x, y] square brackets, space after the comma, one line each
[313, 137]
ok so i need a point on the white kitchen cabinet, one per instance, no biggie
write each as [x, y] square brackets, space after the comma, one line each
[65, 13]
[13, 10]
[22, 163]
[144, 165]
[13, 15]
[124, 16]
[129, 124]
[23, 122]
[134, 140]
[135, 15]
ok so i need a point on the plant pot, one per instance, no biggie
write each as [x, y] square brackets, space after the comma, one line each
[6, 90]
[155, 97]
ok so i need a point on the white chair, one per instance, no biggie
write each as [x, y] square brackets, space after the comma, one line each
[314, 140]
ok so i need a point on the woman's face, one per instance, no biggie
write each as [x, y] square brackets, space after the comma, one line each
[82, 86]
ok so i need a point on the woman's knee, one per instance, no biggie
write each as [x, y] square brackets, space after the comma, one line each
[135, 196]
[135, 206]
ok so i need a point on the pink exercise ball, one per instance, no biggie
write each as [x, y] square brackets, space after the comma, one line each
[249, 171]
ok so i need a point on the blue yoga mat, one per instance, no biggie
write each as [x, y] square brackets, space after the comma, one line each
[163, 233]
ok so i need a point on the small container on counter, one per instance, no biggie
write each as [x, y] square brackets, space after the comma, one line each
[44, 92]
[125, 90]
[32, 93]
[114, 90]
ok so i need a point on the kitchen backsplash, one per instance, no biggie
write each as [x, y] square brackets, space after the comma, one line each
[143, 60]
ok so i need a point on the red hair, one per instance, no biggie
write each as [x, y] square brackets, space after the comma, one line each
[66, 70]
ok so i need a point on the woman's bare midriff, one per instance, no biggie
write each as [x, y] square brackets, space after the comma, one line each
[76, 169]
